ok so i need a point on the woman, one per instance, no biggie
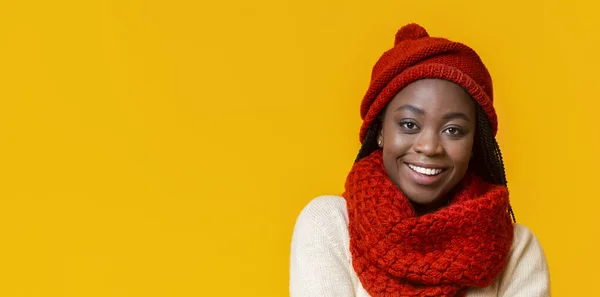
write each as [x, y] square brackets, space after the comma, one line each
[425, 211]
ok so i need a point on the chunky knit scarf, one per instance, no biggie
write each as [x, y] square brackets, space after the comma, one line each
[396, 253]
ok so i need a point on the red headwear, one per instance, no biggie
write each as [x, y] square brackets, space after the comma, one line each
[416, 56]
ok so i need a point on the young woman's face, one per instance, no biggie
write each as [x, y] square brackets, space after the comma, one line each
[427, 137]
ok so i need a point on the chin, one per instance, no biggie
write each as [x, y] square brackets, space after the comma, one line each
[420, 196]
[423, 200]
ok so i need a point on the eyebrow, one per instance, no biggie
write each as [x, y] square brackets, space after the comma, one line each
[411, 108]
[448, 116]
[456, 115]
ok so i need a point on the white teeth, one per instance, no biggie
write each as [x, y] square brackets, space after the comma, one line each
[426, 171]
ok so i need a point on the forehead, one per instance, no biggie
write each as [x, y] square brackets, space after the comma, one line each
[434, 95]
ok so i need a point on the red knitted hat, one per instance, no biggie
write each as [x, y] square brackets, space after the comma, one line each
[416, 56]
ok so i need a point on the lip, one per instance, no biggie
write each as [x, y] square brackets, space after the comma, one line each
[422, 179]
[424, 165]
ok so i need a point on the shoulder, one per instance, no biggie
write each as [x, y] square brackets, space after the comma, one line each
[526, 272]
[524, 240]
[321, 235]
[526, 252]
[320, 261]
[325, 207]
[326, 213]
[323, 223]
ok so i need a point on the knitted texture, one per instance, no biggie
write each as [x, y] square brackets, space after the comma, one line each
[396, 253]
[416, 56]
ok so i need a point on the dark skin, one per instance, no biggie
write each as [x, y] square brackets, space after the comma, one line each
[427, 138]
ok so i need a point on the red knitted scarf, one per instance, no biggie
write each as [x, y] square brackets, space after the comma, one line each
[396, 253]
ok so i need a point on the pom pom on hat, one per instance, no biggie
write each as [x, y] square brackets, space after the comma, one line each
[410, 31]
[415, 56]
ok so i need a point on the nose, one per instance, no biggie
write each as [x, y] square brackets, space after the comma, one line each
[429, 143]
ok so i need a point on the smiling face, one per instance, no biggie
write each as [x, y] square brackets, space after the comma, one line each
[427, 135]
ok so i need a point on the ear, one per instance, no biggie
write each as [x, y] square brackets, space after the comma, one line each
[380, 138]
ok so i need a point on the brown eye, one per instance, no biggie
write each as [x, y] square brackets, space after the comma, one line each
[454, 131]
[408, 125]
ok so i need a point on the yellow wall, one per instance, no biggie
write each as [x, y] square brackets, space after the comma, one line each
[164, 148]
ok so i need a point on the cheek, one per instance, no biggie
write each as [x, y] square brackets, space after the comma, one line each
[396, 142]
[395, 145]
[460, 152]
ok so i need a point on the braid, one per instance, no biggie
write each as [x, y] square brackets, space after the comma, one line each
[487, 158]
[369, 144]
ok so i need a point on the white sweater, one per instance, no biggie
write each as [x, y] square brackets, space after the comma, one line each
[321, 260]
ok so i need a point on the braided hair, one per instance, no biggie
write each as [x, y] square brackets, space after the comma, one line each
[487, 158]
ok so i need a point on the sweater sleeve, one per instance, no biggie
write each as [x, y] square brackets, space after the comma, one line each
[319, 263]
[526, 273]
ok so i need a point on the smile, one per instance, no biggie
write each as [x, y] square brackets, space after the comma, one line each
[425, 171]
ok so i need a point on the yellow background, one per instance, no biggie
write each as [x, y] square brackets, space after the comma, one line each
[165, 148]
